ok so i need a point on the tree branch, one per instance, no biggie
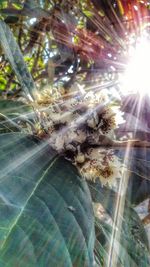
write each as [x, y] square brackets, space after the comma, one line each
[107, 142]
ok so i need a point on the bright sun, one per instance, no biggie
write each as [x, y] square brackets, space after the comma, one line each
[137, 75]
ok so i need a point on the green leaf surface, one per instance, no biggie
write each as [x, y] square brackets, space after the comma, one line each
[139, 165]
[134, 238]
[46, 216]
[129, 239]
[35, 12]
[10, 113]
[14, 55]
[8, 107]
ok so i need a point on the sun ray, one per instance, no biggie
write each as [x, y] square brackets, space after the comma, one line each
[119, 210]
[28, 156]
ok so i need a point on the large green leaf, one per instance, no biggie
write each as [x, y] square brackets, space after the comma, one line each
[103, 251]
[46, 216]
[12, 113]
[14, 55]
[139, 181]
[134, 238]
[9, 107]
[130, 242]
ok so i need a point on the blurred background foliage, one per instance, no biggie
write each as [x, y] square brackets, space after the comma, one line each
[62, 42]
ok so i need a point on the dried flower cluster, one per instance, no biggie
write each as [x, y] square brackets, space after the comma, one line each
[72, 123]
[102, 164]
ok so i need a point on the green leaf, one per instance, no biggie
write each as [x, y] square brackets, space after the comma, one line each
[134, 238]
[130, 237]
[11, 112]
[3, 3]
[102, 247]
[11, 19]
[105, 196]
[8, 107]
[14, 55]
[88, 13]
[3, 82]
[103, 236]
[46, 216]
[139, 183]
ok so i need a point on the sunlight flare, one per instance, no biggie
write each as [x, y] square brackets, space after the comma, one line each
[136, 78]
